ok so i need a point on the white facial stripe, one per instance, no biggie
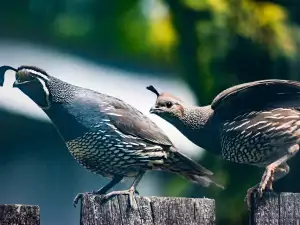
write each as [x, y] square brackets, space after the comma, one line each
[46, 93]
[43, 76]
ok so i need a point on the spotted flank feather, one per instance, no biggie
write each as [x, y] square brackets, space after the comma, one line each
[250, 137]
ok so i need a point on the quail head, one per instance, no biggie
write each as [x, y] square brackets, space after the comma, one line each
[255, 123]
[106, 135]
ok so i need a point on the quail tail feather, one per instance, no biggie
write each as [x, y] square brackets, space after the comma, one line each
[205, 181]
[191, 170]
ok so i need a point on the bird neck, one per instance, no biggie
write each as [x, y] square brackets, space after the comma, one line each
[66, 109]
[61, 92]
[195, 125]
[195, 118]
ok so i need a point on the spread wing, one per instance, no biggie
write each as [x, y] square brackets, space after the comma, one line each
[131, 121]
[257, 95]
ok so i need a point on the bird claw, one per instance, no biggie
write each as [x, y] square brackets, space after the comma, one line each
[266, 181]
[78, 197]
[265, 184]
[259, 194]
[130, 192]
[248, 196]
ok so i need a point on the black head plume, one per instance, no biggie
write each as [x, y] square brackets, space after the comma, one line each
[33, 68]
[3, 69]
[153, 89]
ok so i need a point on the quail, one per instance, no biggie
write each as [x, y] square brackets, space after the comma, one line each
[256, 123]
[106, 135]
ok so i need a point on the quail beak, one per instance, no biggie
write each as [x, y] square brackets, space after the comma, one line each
[155, 110]
[16, 84]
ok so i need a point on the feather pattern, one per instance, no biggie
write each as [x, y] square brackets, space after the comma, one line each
[131, 121]
[257, 95]
[259, 137]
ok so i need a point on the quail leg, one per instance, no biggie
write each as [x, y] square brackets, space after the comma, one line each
[269, 172]
[111, 184]
[130, 192]
[101, 191]
[266, 178]
[274, 171]
[279, 173]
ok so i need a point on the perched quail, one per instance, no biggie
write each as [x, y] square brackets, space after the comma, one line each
[255, 123]
[106, 135]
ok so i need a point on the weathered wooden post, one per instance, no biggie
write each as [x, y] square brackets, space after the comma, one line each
[19, 215]
[151, 211]
[276, 209]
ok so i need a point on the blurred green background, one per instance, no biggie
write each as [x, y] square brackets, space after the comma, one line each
[193, 48]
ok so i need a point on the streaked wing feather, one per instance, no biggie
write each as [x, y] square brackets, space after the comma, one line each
[257, 95]
[132, 122]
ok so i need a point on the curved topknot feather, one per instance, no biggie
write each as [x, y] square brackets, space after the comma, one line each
[153, 89]
[3, 69]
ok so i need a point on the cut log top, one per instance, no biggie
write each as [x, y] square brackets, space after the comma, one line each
[273, 209]
[151, 211]
[276, 209]
[19, 215]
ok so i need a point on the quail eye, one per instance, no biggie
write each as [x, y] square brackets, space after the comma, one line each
[169, 104]
[18, 78]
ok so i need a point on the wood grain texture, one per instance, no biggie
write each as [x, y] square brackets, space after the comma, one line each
[151, 211]
[19, 215]
[276, 209]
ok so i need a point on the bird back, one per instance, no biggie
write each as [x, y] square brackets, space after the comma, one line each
[258, 95]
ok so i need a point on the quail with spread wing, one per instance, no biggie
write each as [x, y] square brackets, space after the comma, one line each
[106, 135]
[256, 123]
